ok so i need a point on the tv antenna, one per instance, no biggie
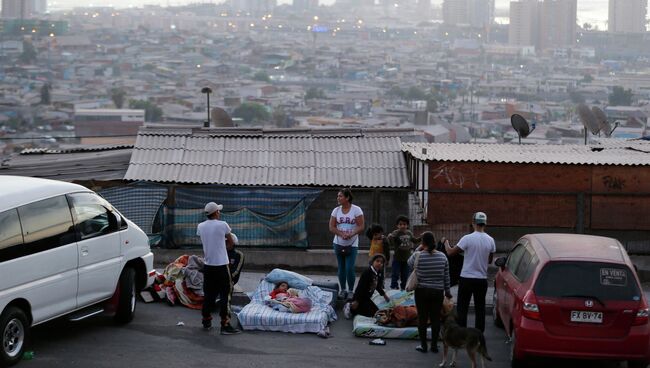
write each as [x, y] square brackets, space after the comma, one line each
[589, 120]
[521, 126]
[604, 125]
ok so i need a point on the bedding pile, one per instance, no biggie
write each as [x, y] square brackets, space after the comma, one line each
[367, 326]
[259, 315]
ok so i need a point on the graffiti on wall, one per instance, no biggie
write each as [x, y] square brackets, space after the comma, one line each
[456, 177]
[612, 182]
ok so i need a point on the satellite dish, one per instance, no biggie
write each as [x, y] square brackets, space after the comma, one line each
[588, 119]
[604, 125]
[221, 118]
[601, 120]
[521, 126]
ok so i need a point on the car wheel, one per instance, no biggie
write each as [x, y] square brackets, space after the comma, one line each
[637, 364]
[15, 331]
[514, 361]
[126, 296]
[495, 310]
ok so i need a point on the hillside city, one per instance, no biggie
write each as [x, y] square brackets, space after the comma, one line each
[94, 75]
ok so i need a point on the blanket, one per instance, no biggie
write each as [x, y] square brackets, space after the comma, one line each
[293, 304]
[182, 282]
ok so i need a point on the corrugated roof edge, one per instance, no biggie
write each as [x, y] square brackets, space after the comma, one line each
[276, 132]
[36, 151]
[418, 151]
[303, 185]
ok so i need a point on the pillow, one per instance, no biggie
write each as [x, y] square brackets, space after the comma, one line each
[295, 280]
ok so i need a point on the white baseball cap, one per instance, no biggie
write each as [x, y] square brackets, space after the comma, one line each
[212, 207]
[480, 218]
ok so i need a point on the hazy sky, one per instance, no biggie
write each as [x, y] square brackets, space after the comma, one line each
[592, 11]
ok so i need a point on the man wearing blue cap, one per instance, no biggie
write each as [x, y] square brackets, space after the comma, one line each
[479, 249]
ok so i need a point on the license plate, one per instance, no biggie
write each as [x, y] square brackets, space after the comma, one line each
[586, 317]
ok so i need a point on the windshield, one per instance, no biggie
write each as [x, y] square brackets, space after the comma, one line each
[601, 281]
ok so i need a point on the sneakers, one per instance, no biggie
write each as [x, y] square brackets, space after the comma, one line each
[421, 349]
[343, 294]
[207, 324]
[229, 330]
[324, 333]
[346, 311]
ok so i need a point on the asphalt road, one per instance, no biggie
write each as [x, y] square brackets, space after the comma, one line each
[153, 339]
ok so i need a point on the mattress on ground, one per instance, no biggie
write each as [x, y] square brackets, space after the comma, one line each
[366, 326]
[259, 316]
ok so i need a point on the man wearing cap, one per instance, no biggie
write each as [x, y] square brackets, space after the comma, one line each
[479, 249]
[214, 235]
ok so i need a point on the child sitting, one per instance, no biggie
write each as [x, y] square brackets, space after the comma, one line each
[371, 279]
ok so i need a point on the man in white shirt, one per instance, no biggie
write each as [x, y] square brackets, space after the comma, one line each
[214, 234]
[479, 249]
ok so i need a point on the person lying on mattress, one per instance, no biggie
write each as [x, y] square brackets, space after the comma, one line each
[281, 291]
[371, 279]
[284, 299]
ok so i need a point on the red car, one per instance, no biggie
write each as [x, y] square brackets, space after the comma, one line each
[571, 296]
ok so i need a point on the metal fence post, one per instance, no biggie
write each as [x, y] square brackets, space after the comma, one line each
[580, 213]
[170, 220]
[376, 207]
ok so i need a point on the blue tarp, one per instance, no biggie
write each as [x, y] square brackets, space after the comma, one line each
[263, 200]
[252, 228]
[139, 202]
[259, 216]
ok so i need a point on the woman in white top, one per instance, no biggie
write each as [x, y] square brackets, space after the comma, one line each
[346, 223]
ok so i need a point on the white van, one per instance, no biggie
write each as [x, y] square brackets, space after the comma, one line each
[64, 250]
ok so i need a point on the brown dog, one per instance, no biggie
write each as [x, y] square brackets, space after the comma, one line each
[457, 337]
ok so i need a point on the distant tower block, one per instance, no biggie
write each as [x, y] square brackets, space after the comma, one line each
[627, 16]
[474, 13]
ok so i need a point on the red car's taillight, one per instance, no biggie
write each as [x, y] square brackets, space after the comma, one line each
[529, 306]
[642, 315]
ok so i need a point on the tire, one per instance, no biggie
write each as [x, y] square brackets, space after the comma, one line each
[126, 297]
[14, 327]
[637, 364]
[495, 310]
[514, 361]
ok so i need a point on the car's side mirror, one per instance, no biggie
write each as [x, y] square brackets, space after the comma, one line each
[114, 220]
[500, 262]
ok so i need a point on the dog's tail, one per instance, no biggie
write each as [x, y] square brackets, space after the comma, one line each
[483, 348]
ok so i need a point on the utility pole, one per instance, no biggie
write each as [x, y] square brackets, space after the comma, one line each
[207, 91]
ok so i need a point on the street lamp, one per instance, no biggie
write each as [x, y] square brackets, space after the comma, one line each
[207, 91]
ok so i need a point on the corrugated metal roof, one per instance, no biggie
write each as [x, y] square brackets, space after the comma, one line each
[75, 149]
[631, 153]
[70, 165]
[335, 157]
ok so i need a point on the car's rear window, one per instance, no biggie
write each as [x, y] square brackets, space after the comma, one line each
[605, 281]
